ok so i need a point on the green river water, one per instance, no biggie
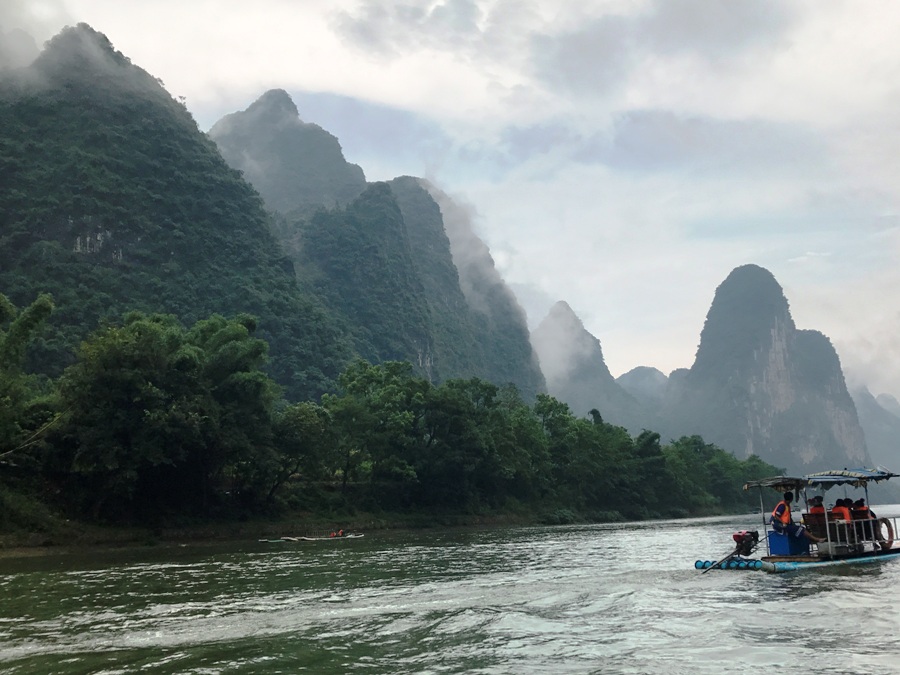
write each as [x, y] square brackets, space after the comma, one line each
[593, 599]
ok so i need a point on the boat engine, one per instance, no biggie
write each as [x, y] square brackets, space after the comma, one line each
[746, 541]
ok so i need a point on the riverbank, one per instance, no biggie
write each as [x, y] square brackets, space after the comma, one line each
[76, 536]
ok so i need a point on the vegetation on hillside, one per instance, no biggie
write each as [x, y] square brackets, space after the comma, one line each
[114, 201]
[155, 422]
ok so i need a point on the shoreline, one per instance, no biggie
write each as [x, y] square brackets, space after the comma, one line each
[83, 537]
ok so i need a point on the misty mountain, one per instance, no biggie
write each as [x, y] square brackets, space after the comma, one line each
[294, 165]
[114, 201]
[889, 403]
[358, 260]
[386, 259]
[760, 386]
[499, 322]
[17, 48]
[647, 385]
[880, 420]
[572, 361]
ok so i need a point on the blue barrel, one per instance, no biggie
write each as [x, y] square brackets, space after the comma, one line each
[698, 565]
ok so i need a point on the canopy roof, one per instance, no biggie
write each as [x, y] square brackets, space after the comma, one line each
[823, 479]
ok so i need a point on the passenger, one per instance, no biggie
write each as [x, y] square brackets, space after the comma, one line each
[840, 510]
[815, 505]
[868, 529]
[783, 523]
[861, 511]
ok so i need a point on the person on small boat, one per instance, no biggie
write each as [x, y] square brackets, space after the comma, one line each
[816, 505]
[866, 518]
[861, 511]
[783, 523]
[840, 509]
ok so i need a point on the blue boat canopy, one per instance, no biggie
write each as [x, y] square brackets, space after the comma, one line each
[823, 479]
[855, 477]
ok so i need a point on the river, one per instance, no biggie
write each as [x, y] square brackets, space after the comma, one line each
[621, 598]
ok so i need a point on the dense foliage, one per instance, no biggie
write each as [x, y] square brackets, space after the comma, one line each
[359, 261]
[113, 201]
[154, 422]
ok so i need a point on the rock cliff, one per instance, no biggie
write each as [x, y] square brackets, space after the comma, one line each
[760, 386]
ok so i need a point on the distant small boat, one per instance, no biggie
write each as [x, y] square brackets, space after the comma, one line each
[352, 535]
[858, 541]
[334, 538]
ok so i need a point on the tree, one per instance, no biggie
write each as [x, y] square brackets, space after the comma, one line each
[379, 423]
[159, 418]
[302, 433]
[20, 424]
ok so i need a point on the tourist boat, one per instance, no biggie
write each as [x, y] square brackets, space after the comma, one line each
[861, 540]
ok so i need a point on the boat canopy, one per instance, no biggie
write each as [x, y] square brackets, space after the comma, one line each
[780, 483]
[824, 479]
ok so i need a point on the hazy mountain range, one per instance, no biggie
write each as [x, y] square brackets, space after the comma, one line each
[114, 201]
[758, 385]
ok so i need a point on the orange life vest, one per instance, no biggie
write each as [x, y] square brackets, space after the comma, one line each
[841, 512]
[817, 509]
[861, 513]
[785, 517]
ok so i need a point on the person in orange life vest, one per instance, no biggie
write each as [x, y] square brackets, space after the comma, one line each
[815, 505]
[840, 510]
[783, 523]
[861, 512]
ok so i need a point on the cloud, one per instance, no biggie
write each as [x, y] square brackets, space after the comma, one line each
[23, 24]
[40, 19]
[391, 28]
[600, 53]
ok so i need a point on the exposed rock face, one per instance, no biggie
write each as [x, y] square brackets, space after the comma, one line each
[293, 165]
[760, 386]
[573, 365]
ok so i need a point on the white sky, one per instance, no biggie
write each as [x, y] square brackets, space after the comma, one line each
[622, 155]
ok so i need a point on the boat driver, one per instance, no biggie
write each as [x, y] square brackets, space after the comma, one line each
[783, 523]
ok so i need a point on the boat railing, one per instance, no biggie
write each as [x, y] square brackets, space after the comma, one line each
[848, 537]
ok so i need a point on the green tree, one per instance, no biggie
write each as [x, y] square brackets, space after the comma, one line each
[379, 424]
[162, 420]
[21, 422]
[302, 433]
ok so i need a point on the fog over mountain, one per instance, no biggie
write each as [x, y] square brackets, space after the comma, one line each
[576, 373]
[17, 48]
[294, 165]
[399, 259]
[880, 420]
[759, 385]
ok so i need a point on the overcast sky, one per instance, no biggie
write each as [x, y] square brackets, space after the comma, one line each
[623, 155]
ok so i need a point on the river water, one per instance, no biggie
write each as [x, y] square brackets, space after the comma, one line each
[591, 599]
